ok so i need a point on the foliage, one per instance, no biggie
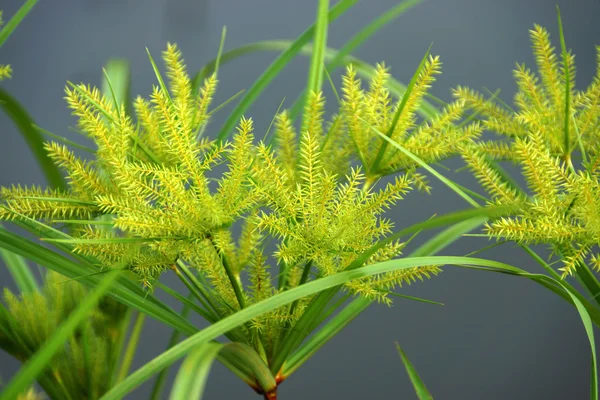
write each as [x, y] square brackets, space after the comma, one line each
[159, 195]
[552, 135]
[84, 368]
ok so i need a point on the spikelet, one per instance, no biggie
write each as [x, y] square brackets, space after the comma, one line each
[159, 195]
[489, 178]
[43, 204]
[151, 181]
[234, 195]
[285, 140]
[5, 72]
[367, 114]
[337, 222]
[562, 209]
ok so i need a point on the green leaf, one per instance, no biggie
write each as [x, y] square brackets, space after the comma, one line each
[35, 365]
[132, 346]
[272, 303]
[357, 40]
[159, 77]
[403, 101]
[448, 236]
[372, 28]
[16, 19]
[344, 317]
[567, 78]
[275, 68]
[64, 140]
[423, 164]
[102, 241]
[325, 334]
[117, 81]
[220, 52]
[420, 389]
[33, 138]
[315, 74]
[18, 268]
[162, 377]
[397, 89]
[589, 330]
[124, 290]
[247, 357]
[191, 378]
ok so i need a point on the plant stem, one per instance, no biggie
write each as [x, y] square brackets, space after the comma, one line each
[131, 346]
[272, 395]
[196, 289]
[235, 283]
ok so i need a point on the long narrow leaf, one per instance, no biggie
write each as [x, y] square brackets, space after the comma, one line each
[117, 81]
[19, 270]
[276, 67]
[191, 378]
[318, 340]
[364, 69]
[248, 357]
[567, 80]
[423, 164]
[121, 290]
[357, 40]
[331, 328]
[400, 110]
[33, 138]
[589, 330]
[448, 236]
[315, 74]
[415, 379]
[16, 19]
[252, 311]
[161, 379]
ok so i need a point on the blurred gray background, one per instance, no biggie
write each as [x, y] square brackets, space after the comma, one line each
[496, 337]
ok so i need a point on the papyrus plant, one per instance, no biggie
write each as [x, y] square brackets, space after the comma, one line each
[271, 237]
[146, 202]
[552, 135]
[160, 194]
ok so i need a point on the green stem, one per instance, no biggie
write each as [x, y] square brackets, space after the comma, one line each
[131, 346]
[233, 279]
[283, 270]
[567, 80]
[302, 328]
[197, 290]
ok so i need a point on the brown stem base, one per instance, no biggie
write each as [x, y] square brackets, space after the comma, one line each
[272, 395]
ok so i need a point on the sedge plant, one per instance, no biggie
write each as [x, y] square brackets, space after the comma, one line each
[551, 135]
[148, 203]
[159, 195]
[280, 242]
